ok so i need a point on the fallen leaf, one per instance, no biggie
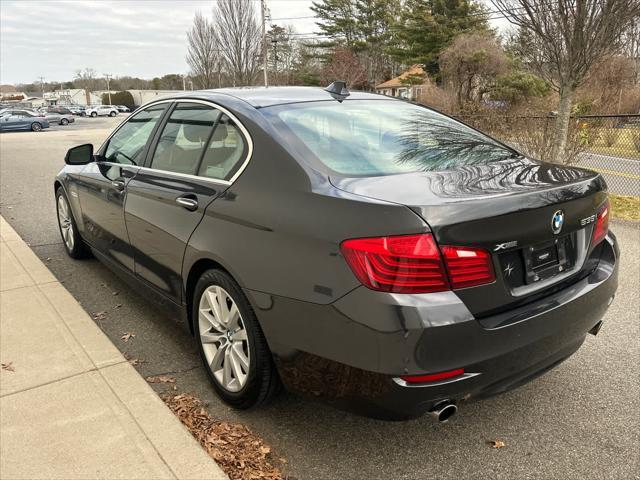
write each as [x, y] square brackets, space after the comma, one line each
[127, 336]
[240, 453]
[118, 305]
[115, 293]
[99, 315]
[136, 361]
[161, 379]
[496, 443]
[8, 367]
[48, 259]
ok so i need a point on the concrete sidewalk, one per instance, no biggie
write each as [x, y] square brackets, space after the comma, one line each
[73, 407]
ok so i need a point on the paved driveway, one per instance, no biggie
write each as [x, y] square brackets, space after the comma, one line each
[579, 421]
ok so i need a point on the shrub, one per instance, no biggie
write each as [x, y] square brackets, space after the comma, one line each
[119, 98]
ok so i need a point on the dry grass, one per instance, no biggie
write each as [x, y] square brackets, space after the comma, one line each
[624, 207]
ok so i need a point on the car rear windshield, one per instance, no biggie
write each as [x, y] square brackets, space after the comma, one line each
[384, 137]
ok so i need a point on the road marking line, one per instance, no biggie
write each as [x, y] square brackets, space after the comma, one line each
[617, 174]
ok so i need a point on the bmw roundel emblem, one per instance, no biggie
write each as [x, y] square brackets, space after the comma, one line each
[557, 221]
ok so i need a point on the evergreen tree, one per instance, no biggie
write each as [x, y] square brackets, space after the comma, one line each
[427, 27]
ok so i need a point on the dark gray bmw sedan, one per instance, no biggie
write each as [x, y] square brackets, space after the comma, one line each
[353, 247]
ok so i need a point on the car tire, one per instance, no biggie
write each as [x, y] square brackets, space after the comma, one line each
[225, 352]
[64, 121]
[112, 114]
[71, 239]
[94, 114]
[83, 114]
[36, 127]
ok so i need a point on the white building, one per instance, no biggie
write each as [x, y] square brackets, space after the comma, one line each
[72, 96]
[140, 97]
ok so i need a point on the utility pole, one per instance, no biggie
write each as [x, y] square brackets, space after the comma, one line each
[108, 76]
[274, 41]
[42, 86]
[184, 83]
[263, 8]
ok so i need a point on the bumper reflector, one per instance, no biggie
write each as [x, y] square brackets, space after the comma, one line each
[433, 377]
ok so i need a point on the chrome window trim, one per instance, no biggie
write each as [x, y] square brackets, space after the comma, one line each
[210, 103]
[186, 175]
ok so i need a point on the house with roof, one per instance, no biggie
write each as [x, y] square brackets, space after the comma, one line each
[409, 84]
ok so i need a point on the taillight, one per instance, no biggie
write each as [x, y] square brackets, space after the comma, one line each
[413, 264]
[602, 224]
[399, 264]
[468, 267]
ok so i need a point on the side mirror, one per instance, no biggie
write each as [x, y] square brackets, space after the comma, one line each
[80, 155]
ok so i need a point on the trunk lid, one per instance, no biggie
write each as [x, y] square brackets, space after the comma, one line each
[506, 207]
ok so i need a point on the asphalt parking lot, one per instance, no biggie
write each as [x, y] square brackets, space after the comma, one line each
[581, 420]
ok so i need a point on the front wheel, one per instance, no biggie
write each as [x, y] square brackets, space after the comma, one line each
[112, 114]
[232, 346]
[94, 114]
[73, 243]
[64, 121]
[36, 127]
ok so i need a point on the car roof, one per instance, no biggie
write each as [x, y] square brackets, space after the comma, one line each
[260, 97]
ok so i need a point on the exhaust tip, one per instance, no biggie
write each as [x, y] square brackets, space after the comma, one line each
[443, 411]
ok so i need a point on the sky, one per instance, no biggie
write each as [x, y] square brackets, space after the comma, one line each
[140, 38]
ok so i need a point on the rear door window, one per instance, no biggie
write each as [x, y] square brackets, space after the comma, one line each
[226, 151]
[184, 138]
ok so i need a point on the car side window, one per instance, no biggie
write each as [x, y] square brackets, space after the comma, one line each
[225, 152]
[126, 146]
[184, 138]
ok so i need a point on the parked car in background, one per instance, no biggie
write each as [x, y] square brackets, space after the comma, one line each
[102, 111]
[62, 109]
[123, 108]
[78, 110]
[59, 118]
[358, 248]
[14, 119]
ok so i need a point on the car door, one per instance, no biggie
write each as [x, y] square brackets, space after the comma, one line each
[167, 198]
[102, 185]
[9, 121]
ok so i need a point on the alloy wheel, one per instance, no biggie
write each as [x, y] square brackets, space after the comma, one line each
[224, 338]
[66, 225]
[36, 127]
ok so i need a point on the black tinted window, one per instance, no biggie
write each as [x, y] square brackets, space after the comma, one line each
[382, 137]
[184, 138]
[128, 143]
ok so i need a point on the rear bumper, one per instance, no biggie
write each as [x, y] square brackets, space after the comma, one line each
[353, 351]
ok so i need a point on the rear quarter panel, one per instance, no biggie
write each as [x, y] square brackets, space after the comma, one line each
[278, 228]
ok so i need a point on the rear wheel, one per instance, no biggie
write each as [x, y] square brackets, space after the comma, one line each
[64, 121]
[94, 114]
[73, 243]
[36, 127]
[231, 343]
[112, 114]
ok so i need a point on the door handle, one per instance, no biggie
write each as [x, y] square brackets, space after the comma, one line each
[190, 204]
[118, 184]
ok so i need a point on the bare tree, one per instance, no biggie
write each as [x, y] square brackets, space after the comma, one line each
[567, 38]
[344, 65]
[471, 64]
[87, 79]
[238, 39]
[202, 54]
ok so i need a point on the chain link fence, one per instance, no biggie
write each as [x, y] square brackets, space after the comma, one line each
[609, 144]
